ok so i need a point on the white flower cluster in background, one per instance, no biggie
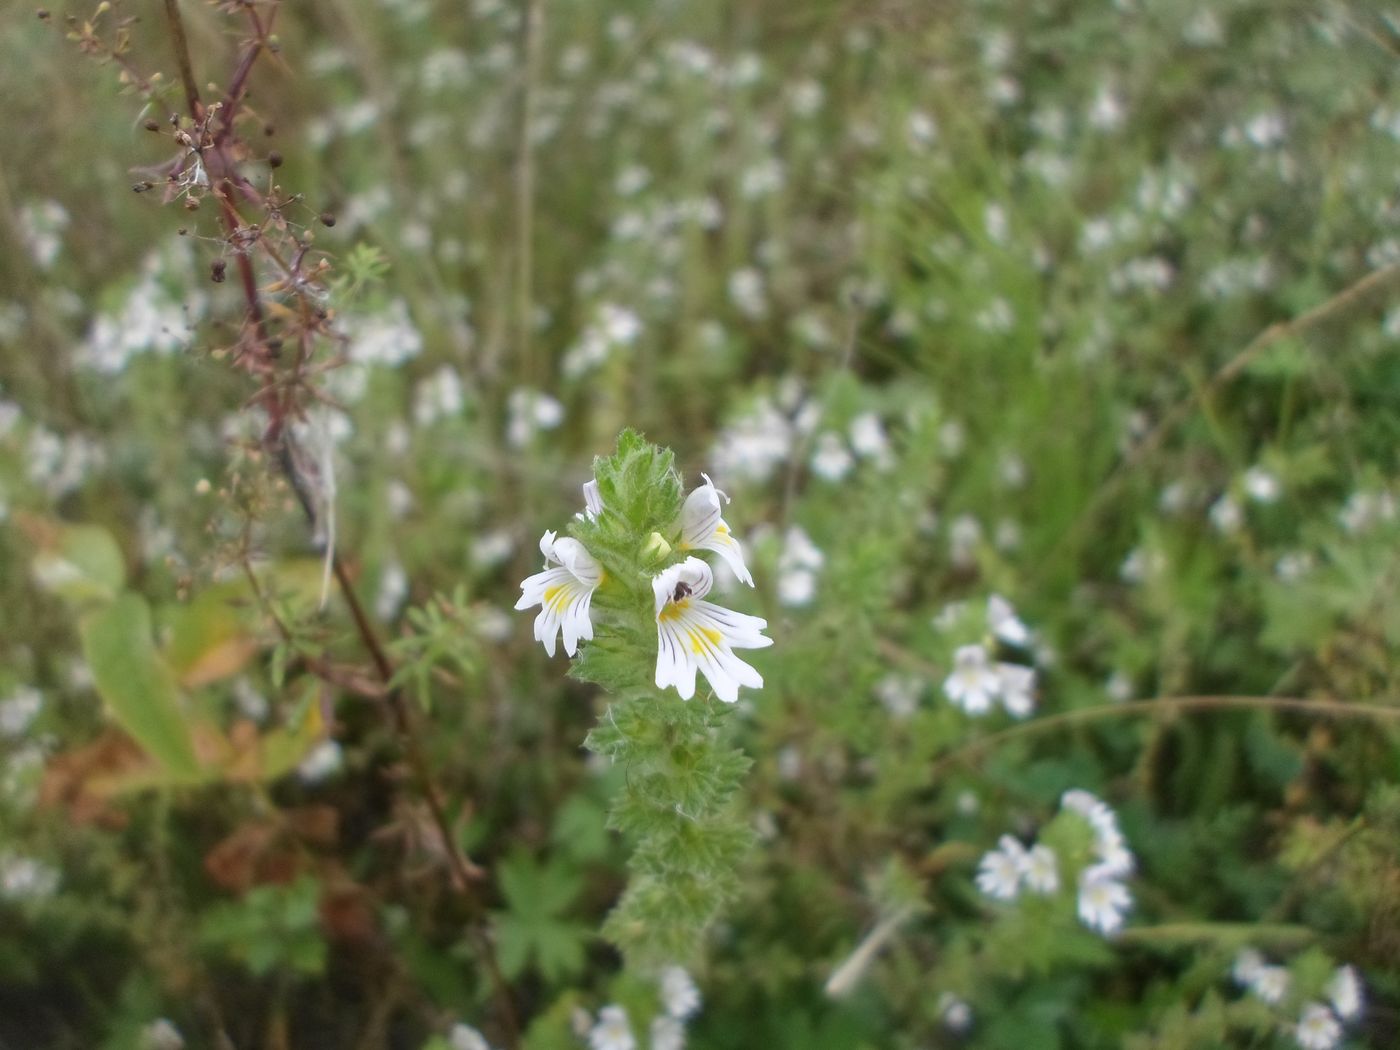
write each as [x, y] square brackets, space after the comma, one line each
[612, 328]
[1102, 898]
[977, 682]
[1318, 1025]
[680, 1000]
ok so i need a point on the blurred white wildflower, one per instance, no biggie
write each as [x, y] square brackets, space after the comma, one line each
[1317, 1028]
[1226, 515]
[680, 997]
[1365, 510]
[1119, 687]
[746, 292]
[386, 338]
[41, 227]
[973, 683]
[1016, 687]
[830, 459]
[613, 327]
[1001, 871]
[613, 1031]
[322, 762]
[1106, 111]
[1344, 990]
[922, 129]
[806, 97]
[798, 565]
[161, 1034]
[1003, 622]
[964, 535]
[439, 396]
[753, 447]
[899, 694]
[870, 441]
[19, 709]
[667, 1034]
[26, 879]
[1041, 869]
[392, 592]
[1261, 485]
[1103, 900]
[529, 412]
[465, 1037]
[954, 1012]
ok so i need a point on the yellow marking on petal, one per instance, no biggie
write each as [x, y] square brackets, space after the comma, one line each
[556, 597]
[722, 529]
[697, 633]
[673, 610]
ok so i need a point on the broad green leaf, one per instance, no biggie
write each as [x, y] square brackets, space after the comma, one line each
[81, 563]
[137, 685]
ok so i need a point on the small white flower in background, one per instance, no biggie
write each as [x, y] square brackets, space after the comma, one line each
[563, 591]
[1365, 510]
[679, 995]
[900, 694]
[1001, 870]
[19, 709]
[1016, 685]
[613, 1031]
[1012, 470]
[465, 1037]
[702, 528]
[964, 534]
[667, 1034]
[870, 441]
[1345, 992]
[529, 412]
[952, 439]
[161, 1034]
[798, 565]
[490, 549]
[1317, 1029]
[954, 1012]
[1260, 485]
[830, 459]
[321, 762]
[1103, 900]
[1270, 983]
[24, 878]
[1003, 622]
[747, 294]
[1041, 869]
[1246, 967]
[1111, 849]
[1119, 687]
[692, 634]
[1226, 515]
[974, 684]
[392, 593]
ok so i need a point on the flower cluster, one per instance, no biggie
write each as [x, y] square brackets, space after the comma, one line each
[976, 682]
[1319, 1024]
[693, 635]
[680, 999]
[1102, 896]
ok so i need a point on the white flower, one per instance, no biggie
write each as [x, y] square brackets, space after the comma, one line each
[1317, 1029]
[321, 762]
[613, 1031]
[702, 528]
[955, 1012]
[679, 995]
[1003, 622]
[973, 684]
[1345, 992]
[1246, 967]
[1102, 900]
[1260, 485]
[465, 1037]
[563, 591]
[830, 460]
[797, 587]
[1041, 869]
[667, 1034]
[1270, 983]
[1017, 687]
[1001, 870]
[692, 634]
[1226, 515]
[161, 1034]
[18, 711]
[592, 500]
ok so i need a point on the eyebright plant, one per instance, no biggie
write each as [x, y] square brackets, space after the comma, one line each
[626, 583]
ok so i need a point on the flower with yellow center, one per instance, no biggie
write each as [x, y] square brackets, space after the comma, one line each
[693, 634]
[563, 591]
[703, 528]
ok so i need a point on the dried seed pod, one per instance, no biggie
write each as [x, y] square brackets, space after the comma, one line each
[327, 219]
[218, 270]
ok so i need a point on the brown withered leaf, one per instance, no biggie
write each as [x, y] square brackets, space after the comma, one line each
[82, 781]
